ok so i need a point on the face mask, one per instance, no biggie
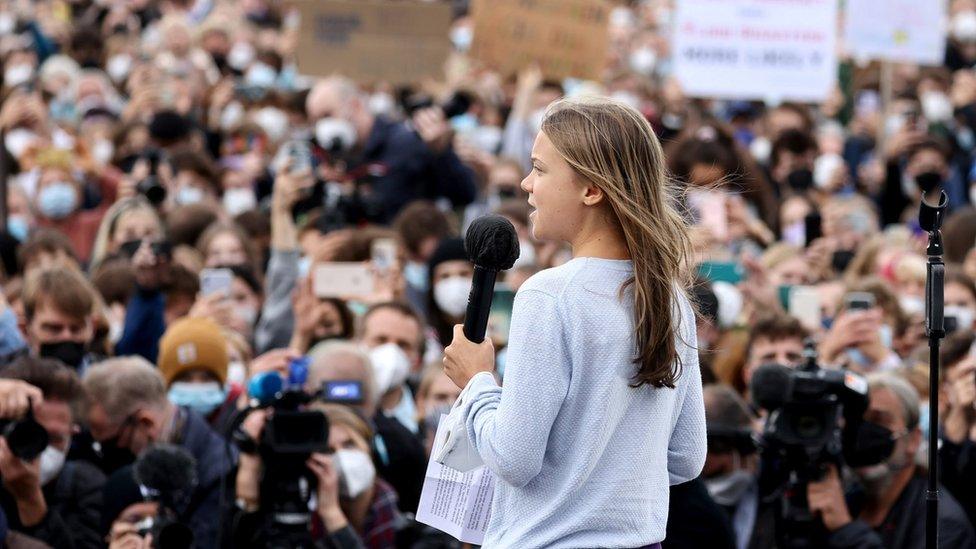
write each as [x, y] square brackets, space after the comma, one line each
[869, 444]
[7, 23]
[877, 478]
[800, 180]
[17, 227]
[963, 26]
[964, 316]
[727, 490]
[240, 55]
[103, 150]
[486, 138]
[52, 461]
[416, 275]
[795, 234]
[381, 103]
[462, 37]
[912, 305]
[110, 456]
[58, 200]
[526, 257]
[390, 366]
[928, 180]
[62, 111]
[189, 195]
[231, 116]
[335, 135]
[247, 315]
[451, 295]
[17, 140]
[936, 106]
[261, 76]
[841, 259]
[69, 352]
[238, 200]
[642, 61]
[273, 121]
[202, 398]
[118, 67]
[824, 168]
[760, 148]
[464, 123]
[17, 75]
[886, 335]
[356, 472]
[236, 373]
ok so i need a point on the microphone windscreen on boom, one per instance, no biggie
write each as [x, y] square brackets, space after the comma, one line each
[771, 385]
[166, 469]
[492, 243]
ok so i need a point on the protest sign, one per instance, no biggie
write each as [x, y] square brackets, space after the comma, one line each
[756, 49]
[373, 40]
[896, 30]
[567, 38]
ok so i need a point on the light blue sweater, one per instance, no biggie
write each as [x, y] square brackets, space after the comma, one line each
[583, 459]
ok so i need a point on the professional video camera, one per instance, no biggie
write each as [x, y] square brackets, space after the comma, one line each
[166, 474]
[291, 434]
[815, 419]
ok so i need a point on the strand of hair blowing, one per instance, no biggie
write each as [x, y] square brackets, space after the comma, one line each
[613, 146]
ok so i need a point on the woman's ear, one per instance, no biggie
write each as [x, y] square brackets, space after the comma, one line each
[592, 195]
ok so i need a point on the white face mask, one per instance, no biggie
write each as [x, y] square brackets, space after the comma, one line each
[52, 461]
[451, 295]
[727, 490]
[188, 195]
[17, 140]
[231, 116]
[247, 315]
[118, 67]
[824, 168]
[963, 26]
[462, 37]
[8, 22]
[936, 106]
[356, 472]
[381, 103]
[761, 149]
[643, 60]
[240, 55]
[390, 366]
[103, 150]
[17, 74]
[261, 75]
[964, 316]
[273, 121]
[912, 305]
[335, 135]
[236, 372]
[239, 200]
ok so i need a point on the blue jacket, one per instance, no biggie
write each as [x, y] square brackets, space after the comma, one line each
[144, 325]
[216, 459]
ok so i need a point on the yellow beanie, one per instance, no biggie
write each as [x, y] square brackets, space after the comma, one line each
[192, 344]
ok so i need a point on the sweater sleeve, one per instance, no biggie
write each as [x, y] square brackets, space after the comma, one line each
[686, 448]
[277, 318]
[510, 428]
[144, 325]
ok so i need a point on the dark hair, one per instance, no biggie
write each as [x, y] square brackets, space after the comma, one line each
[359, 245]
[115, 280]
[64, 288]
[54, 379]
[776, 327]
[955, 348]
[419, 221]
[182, 282]
[793, 141]
[930, 143]
[959, 233]
[246, 274]
[185, 224]
[399, 307]
[44, 241]
[198, 163]
[346, 318]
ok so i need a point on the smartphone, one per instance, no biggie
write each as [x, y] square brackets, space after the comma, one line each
[342, 280]
[859, 301]
[383, 253]
[342, 392]
[296, 153]
[500, 315]
[721, 271]
[805, 306]
[813, 229]
[710, 209]
[216, 281]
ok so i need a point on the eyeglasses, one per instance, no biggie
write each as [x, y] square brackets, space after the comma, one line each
[160, 248]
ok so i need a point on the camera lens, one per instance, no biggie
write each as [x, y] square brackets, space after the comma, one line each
[152, 190]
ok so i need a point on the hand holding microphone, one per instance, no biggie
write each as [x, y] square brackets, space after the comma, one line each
[492, 245]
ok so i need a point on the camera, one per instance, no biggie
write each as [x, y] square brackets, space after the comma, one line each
[25, 437]
[166, 474]
[151, 187]
[166, 532]
[455, 105]
[290, 436]
[815, 417]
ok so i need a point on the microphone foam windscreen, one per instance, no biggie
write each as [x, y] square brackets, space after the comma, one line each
[492, 243]
[771, 385]
[166, 468]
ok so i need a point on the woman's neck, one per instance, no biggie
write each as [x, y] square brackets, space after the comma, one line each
[602, 241]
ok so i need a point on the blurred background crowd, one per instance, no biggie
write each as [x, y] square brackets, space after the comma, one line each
[189, 219]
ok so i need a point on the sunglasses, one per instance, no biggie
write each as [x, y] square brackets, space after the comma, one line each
[160, 248]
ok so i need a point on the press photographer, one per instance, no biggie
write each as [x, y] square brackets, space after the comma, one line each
[43, 495]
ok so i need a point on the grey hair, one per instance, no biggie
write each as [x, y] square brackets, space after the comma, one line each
[123, 385]
[906, 394]
[322, 354]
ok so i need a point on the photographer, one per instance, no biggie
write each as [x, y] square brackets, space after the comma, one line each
[893, 490]
[53, 500]
[417, 162]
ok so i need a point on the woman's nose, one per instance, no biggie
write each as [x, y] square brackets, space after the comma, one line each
[526, 184]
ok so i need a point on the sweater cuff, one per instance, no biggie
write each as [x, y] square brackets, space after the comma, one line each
[481, 382]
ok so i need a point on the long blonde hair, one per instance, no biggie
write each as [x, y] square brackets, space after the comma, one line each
[612, 146]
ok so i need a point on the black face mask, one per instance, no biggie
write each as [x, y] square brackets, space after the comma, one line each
[69, 352]
[111, 458]
[800, 180]
[841, 259]
[867, 444]
[927, 181]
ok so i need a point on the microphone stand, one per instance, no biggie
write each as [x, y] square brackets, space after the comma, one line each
[930, 220]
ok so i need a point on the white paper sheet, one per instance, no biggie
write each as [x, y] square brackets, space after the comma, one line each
[454, 502]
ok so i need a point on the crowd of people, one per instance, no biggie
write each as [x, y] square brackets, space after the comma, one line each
[181, 202]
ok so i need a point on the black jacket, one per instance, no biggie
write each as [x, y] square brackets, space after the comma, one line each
[74, 504]
[400, 460]
[694, 520]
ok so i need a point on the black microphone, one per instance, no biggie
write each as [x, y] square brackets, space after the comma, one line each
[771, 385]
[166, 470]
[492, 245]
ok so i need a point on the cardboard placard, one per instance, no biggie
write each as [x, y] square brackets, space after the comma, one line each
[567, 38]
[399, 42]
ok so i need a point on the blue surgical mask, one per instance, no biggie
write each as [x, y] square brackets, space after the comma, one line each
[17, 227]
[202, 398]
[886, 334]
[416, 275]
[189, 195]
[57, 200]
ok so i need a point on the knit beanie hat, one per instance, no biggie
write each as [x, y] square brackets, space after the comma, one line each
[193, 344]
